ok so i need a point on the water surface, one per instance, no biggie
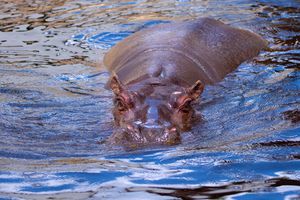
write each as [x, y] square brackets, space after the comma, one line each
[55, 112]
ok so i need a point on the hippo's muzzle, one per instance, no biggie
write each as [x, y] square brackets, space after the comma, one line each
[141, 135]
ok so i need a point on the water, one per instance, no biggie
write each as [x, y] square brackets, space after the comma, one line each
[55, 112]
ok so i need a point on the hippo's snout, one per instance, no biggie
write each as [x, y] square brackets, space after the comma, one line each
[141, 135]
[160, 135]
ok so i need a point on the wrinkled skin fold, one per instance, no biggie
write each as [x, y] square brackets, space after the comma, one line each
[159, 73]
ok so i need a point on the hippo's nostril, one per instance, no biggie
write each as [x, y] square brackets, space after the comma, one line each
[174, 130]
[133, 129]
[171, 136]
[130, 128]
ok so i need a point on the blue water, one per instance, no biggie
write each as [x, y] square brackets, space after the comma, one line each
[55, 113]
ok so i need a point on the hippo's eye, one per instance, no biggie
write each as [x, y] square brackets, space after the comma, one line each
[185, 109]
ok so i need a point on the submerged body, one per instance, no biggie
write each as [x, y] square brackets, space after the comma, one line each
[158, 73]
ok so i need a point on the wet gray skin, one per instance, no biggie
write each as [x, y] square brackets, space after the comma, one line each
[160, 72]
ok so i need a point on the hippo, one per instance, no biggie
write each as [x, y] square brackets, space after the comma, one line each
[159, 73]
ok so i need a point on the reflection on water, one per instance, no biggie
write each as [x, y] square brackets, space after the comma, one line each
[55, 113]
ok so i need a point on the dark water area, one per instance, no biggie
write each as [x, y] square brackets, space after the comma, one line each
[55, 113]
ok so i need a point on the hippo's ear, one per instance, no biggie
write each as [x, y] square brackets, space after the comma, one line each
[115, 85]
[195, 90]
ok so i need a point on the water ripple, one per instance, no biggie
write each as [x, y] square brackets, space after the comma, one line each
[55, 113]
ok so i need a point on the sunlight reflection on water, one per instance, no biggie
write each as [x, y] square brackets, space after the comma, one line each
[55, 113]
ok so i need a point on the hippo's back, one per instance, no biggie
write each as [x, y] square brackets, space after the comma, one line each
[203, 49]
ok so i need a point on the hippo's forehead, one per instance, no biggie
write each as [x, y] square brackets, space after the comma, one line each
[157, 91]
[157, 98]
[153, 102]
[153, 105]
[152, 112]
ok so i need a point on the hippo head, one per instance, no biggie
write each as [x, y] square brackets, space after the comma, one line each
[152, 112]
